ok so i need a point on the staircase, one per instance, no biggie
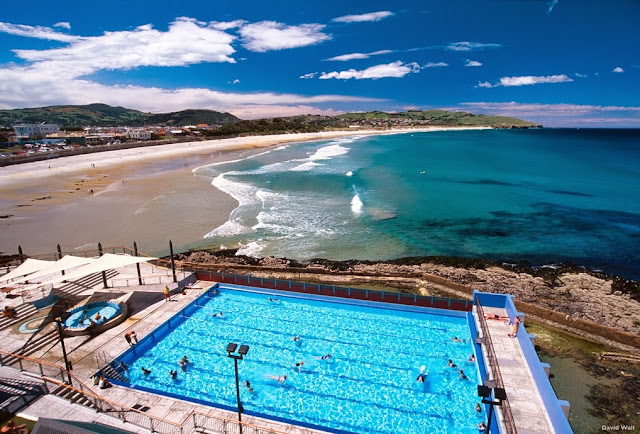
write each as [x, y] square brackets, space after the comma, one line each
[23, 311]
[74, 396]
[110, 368]
[80, 285]
[32, 346]
[16, 394]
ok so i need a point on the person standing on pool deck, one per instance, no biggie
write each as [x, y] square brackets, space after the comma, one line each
[127, 337]
[134, 337]
[514, 332]
[167, 293]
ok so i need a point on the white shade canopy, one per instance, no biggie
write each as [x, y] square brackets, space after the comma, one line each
[27, 267]
[68, 262]
[106, 262]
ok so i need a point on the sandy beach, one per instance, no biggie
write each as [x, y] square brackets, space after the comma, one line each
[148, 195]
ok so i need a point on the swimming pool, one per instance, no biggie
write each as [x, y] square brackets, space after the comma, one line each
[80, 317]
[367, 385]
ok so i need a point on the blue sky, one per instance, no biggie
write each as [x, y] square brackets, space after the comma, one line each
[558, 62]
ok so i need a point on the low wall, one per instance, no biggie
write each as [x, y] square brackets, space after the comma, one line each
[337, 291]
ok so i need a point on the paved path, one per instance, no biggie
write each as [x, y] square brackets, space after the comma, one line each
[528, 410]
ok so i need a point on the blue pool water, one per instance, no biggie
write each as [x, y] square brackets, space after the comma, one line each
[368, 384]
[80, 316]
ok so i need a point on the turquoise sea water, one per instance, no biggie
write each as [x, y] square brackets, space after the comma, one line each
[367, 385]
[545, 196]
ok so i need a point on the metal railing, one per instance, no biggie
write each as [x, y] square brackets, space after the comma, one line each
[152, 279]
[496, 376]
[50, 373]
[336, 291]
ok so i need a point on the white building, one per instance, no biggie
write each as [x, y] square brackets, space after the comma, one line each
[27, 131]
[138, 134]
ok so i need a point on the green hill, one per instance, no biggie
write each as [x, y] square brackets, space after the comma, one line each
[105, 115]
[435, 117]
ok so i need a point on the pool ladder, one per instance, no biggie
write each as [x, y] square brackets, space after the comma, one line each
[107, 365]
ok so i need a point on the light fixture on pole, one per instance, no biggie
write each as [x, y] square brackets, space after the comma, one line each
[242, 351]
[499, 395]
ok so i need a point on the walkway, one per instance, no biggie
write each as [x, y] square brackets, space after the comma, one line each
[527, 408]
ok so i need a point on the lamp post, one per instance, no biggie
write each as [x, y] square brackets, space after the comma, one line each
[499, 395]
[242, 351]
[67, 365]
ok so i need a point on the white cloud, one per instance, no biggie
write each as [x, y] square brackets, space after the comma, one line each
[185, 42]
[435, 65]
[552, 3]
[270, 35]
[473, 63]
[396, 69]
[358, 56]
[63, 24]
[484, 84]
[579, 75]
[38, 32]
[371, 16]
[618, 69]
[528, 80]
[63, 75]
[309, 75]
[226, 25]
[41, 88]
[470, 46]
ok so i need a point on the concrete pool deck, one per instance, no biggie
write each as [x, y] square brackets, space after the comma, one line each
[148, 311]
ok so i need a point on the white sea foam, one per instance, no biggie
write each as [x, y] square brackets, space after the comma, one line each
[327, 152]
[145, 206]
[269, 221]
[245, 194]
[350, 173]
[305, 167]
[237, 160]
[356, 204]
[252, 249]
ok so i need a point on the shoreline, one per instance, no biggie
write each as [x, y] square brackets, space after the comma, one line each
[148, 195]
[70, 164]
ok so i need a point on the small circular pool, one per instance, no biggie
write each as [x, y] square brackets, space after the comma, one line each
[92, 313]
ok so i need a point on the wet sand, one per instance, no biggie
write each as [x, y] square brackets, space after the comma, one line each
[147, 202]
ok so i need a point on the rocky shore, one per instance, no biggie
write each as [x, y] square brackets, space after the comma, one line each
[585, 302]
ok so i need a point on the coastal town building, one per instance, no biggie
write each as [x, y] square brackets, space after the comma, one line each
[28, 131]
[138, 134]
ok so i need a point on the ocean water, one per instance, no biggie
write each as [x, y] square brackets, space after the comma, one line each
[544, 196]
